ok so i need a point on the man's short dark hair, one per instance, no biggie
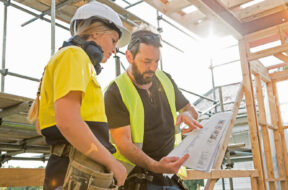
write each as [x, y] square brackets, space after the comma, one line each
[143, 36]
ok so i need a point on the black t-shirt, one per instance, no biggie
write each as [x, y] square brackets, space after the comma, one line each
[159, 129]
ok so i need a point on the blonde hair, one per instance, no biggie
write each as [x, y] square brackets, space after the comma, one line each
[84, 29]
[34, 109]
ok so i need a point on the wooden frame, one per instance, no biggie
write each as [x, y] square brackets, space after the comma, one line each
[252, 66]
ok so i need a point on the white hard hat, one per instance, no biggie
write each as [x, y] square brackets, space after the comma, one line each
[104, 13]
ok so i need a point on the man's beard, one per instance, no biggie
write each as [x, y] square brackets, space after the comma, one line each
[139, 78]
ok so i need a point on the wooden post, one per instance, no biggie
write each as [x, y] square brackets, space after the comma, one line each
[280, 127]
[252, 117]
[277, 138]
[254, 184]
[265, 134]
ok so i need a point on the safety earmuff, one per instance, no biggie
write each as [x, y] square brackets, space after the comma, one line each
[93, 50]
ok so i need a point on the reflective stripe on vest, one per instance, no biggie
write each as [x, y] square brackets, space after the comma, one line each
[134, 104]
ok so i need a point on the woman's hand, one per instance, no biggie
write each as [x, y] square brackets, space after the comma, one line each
[118, 170]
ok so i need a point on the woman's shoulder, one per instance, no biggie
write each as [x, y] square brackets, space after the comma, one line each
[70, 55]
[70, 50]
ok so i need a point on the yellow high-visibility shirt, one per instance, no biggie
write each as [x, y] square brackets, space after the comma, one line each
[70, 69]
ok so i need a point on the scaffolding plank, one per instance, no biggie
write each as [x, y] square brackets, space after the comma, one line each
[7, 100]
[66, 12]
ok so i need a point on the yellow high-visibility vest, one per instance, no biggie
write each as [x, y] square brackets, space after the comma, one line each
[134, 104]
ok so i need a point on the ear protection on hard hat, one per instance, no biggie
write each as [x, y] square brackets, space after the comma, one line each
[93, 50]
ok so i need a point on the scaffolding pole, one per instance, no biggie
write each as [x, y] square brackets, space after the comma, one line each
[34, 14]
[160, 17]
[6, 4]
[159, 29]
[6, 72]
[53, 17]
[46, 12]
[132, 5]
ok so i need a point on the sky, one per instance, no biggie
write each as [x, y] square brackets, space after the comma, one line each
[28, 51]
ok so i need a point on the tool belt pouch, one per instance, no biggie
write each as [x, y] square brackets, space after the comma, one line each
[135, 184]
[180, 183]
[60, 150]
[85, 174]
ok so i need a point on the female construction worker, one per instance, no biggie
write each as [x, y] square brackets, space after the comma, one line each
[71, 110]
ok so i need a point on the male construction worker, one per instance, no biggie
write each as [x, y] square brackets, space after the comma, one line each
[141, 106]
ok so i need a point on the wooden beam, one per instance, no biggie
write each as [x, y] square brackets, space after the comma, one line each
[282, 57]
[174, 6]
[264, 40]
[242, 13]
[212, 10]
[216, 174]
[277, 66]
[267, 52]
[19, 177]
[264, 124]
[264, 36]
[252, 116]
[267, 35]
[258, 68]
[285, 127]
[193, 18]
[277, 137]
[248, 27]
[264, 13]
[265, 133]
[276, 179]
[279, 76]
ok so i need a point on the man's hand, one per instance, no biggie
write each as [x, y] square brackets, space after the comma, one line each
[187, 118]
[169, 165]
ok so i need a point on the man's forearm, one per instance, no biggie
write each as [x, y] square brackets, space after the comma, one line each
[137, 156]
